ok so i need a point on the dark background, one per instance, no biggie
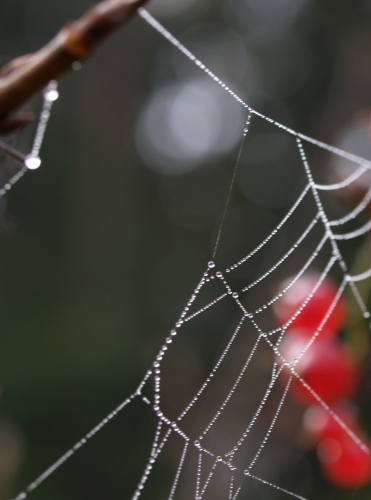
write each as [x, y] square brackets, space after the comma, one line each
[101, 247]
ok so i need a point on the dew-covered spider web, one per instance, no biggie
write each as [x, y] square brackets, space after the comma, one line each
[219, 431]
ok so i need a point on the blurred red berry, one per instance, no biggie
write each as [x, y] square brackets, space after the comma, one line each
[343, 462]
[317, 307]
[326, 366]
[308, 333]
[320, 424]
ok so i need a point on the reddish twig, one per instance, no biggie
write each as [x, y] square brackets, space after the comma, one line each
[26, 75]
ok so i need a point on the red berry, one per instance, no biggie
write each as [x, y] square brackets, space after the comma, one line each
[343, 462]
[317, 307]
[326, 366]
[307, 333]
[321, 424]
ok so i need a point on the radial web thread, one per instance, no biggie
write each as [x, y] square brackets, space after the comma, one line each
[226, 463]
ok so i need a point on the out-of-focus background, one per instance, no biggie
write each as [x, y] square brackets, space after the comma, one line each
[101, 247]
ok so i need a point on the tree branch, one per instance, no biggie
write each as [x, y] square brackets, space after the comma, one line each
[26, 75]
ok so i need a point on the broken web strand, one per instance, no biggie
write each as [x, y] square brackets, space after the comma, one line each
[364, 166]
[32, 160]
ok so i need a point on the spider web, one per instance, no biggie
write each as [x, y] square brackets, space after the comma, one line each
[218, 455]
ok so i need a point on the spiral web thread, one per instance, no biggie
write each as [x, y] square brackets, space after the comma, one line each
[167, 427]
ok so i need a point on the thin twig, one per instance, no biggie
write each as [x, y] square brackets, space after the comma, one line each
[13, 153]
[26, 75]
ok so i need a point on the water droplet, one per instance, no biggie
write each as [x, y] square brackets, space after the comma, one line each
[235, 295]
[32, 162]
[219, 274]
[173, 332]
[366, 314]
[51, 95]
[211, 264]
[169, 341]
[219, 459]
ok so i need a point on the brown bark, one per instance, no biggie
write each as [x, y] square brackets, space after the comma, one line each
[26, 75]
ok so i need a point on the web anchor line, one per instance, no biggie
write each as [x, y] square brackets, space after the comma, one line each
[179, 46]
